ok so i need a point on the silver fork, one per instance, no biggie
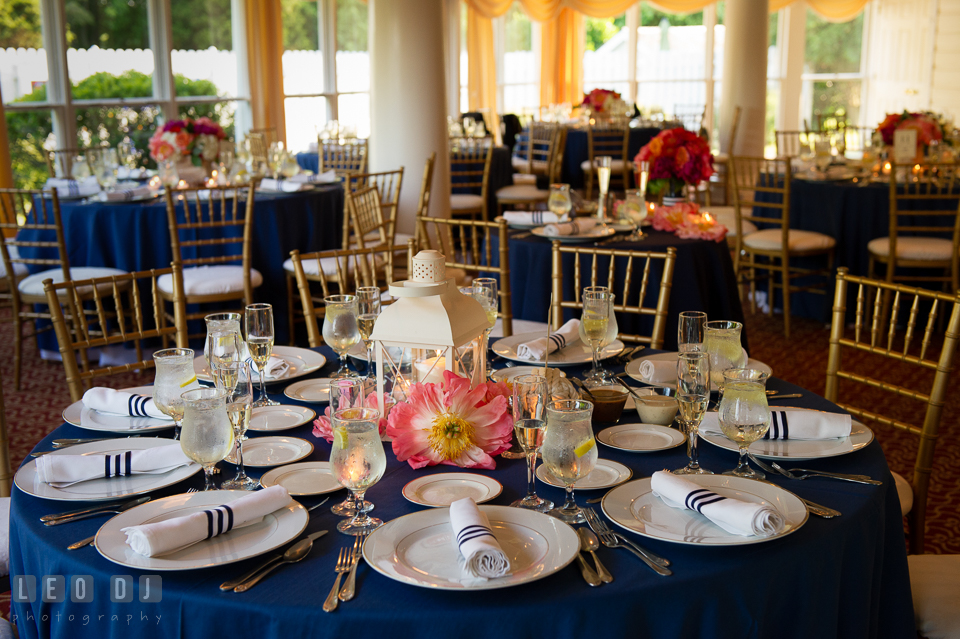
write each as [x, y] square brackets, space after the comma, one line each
[346, 594]
[804, 473]
[611, 540]
[343, 565]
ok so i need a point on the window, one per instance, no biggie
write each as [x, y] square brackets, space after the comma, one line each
[832, 75]
[605, 59]
[518, 73]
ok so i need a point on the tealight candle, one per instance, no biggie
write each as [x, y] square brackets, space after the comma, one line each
[182, 184]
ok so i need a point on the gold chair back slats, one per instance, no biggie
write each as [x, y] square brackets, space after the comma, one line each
[426, 185]
[258, 148]
[60, 161]
[6, 470]
[875, 332]
[791, 144]
[268, 135]
[369, 225]
[629, 262]
[468, 246]
[470, 160]
[610, 140]
[344, 159]
[388, 184]
[536, 152]
[110, 322]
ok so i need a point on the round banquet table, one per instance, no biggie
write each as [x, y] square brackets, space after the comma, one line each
[844, 577]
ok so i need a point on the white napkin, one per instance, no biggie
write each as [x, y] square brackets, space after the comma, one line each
[658, 371]
[73, 188]
[282, 185]
[579, 226]
[482, 556]
[152, 540]
[536, 349]
[126, 173]
[65, 470]
[531, 217]
[107, 400]
[524, 178]
[121, 195]
[327, 177]
[275, 368]
[734, 516]
[793, 424]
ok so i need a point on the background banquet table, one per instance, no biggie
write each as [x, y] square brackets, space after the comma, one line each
[844, 577]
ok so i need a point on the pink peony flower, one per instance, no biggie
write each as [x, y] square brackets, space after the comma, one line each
[322, 426]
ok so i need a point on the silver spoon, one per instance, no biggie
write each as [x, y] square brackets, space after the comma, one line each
[590, 543]
[297, 552]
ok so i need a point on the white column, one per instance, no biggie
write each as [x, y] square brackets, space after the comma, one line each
[745, 74]
[408, 99]
[451, 31]
[793, 40]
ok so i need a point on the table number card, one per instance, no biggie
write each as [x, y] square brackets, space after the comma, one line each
[904, 146]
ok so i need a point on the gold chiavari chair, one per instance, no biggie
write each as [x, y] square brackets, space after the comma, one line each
[339, 272]
[873, 336]
[536, 152]
[468, 247]
[268, 135]
[258, 149]
[791, 144]
[209, 234]
[388, 184]
[60, 161]
[721, 162]
[610, 140]
[32, 218]
[529, 194]
[470, 160]
[6, 471]
[344, 159]
[763, 183]
[110, 322]
[630, 261]
[691, 116]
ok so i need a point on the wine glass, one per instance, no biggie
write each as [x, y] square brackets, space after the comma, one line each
[595, 324]
[206, 436]
[569, 450]
[347, 393]
[744, 414]
[633, 213]
[222, 348]
[559, 201]
[722, 344]
[529, 396]
[341, 329]
[79, 167]
[368, 299]
[258, 319]
[128, 153]
[485, 291]
[603, 177]
[275, 157]
[690, 331]
[239, 401]
[175, 375]
[693, 395]
[358, 461]
[169, 176]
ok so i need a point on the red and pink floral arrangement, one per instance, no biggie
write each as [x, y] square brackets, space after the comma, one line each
[196, 140]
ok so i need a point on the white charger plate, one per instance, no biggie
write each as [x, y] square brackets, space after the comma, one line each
[594, 234]
[640, 438]
[418, 549]
[512, 372]
[273, 531]
[305, 478]
[78, 415]
[316, 391]
[301, 361]
[799, 449]
[443, 489]
[633, 367]
[605, 474]
[634, 507]
[273, 450]
[103, 489]
[275, 418]
[576, 353]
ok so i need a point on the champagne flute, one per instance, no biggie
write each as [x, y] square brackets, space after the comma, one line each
[207, 436]
[693, 395]
[347, 393]
[175, 375]
[341, 329]
[485, 291]
[529, 395]
[358, 461]
[690, 331]
[744, 414]
[603, 177]
[569, 450]
[239, 401]
[595, 324]
[258, 319]
[368, 298]
[559, 201]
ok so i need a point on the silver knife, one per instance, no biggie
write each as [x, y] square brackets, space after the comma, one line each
[95, 509]
[233, 583]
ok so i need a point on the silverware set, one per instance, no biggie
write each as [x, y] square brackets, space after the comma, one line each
[95, 511]
[805, 473]
[346, 563]
[613, 539]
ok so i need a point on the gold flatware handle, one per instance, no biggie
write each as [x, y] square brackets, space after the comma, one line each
[83, 542]
[331, 603]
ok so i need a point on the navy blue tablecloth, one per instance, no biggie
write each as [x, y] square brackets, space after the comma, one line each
[839, 578]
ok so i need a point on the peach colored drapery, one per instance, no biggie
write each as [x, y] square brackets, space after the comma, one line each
[265, 47]
[481, 63]
[561, 59]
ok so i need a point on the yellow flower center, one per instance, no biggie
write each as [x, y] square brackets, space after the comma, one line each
[450, 435]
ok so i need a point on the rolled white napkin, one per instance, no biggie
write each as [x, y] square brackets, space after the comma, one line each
[327, 177]
[658, 371]
[121, 195]
[274, 369]
[66, 470]
[152, 540]
[482, 556]
[282, 185]
[793, 424]
[735, 516]
[107, 400]
[73, 188]
[536, 349]
[579, 226]
[531, 217]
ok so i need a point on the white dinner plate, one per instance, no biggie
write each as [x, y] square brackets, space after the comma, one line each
[359, 353]
[640, 438]
[305, 478]
[103, 489]
[576, 353]
[799, 449]
[301, 361]
[633, 367]
[634, 507]
[273, 450]
[418, 549]
[276, 418]
[512, 372]
[443, 489]
[78, 415]
[316, 391]
[594, 234]
[605, 474]
[271, 532]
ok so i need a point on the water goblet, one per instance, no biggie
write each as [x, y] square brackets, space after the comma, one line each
[486, 292]
[347, 393]
[529, 427]
[258, 320]
[722, 343]
[206, 436]
[693, 395]
[358, 461]
[368, 299]
[175, 375]
[569, 450]
[690, 331]
[222, 348]
[596, 325]
[560, 201]
[79, 167]
[341, 330]
[169, 176]
[224, 323]
[239, 401]
[744, 414]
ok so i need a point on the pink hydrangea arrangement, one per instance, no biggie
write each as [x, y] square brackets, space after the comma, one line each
[598, 99]
[676, 157]
[197, 140]
[929, 126]
[687, 222]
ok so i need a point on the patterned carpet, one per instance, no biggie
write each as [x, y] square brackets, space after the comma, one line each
[35, 409]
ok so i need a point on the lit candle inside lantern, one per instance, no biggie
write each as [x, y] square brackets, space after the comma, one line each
[430, 371]
[182, 184]
[154, 182]
[886, 168]
[651, 207]
[707, 218]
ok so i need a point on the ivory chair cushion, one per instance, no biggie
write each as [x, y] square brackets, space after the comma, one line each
[935, 583]
[904, 492]
[518, 163]
[770, 240]
[465, 202]
[727, 215]
[616, 166]
[18, 269]
[329, 265]
[211, 280]
[914, 248]
[33, 284]
[522, 193]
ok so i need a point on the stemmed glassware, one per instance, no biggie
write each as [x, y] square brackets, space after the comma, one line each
[603, 177]
[341, 329]
[529, 396]
[222, 348]
[358, 461]
[169, 176]
[175, 375]
[347, 393]
[258, 319]
[239, 401]
[560, 201]
[690, 331]
[569, 450]
[275, 157]
[79, 167]
[693, 395]
[744, 414]
[128, 153]
[368, 298]
[595, 325]
[207, 436]
[485, 291]
[722, 343]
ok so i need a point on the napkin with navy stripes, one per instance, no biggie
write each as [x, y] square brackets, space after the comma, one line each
[793, 424]
[114, 402]
[578, 226]
[68, 187]
[531, 217]
[568, 334]
[733, 515]
[163, 537]
[481, 555]
[64, 470]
